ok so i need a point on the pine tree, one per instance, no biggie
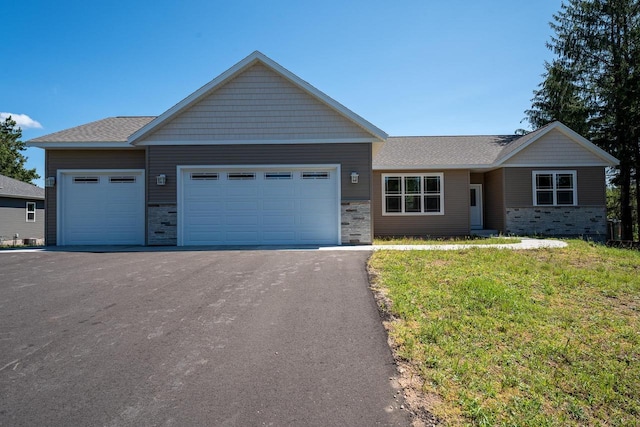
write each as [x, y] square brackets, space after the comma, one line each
[11, 159]
[594, 84]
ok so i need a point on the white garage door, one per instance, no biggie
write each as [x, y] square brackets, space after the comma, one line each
[252, 206]
[100, 208]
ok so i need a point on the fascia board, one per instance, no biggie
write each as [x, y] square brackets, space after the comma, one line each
[106, 144]
[14, 196]
[431, 167]
[257, 141]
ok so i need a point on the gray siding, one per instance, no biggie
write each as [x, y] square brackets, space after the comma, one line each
[454, 222]
[555, 148]
[258, 104]
[82, 159]
[164, 159]
[13, 219]
[494, 200]
[519, 190]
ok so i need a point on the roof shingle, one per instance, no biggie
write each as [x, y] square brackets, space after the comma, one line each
[111, 129]
[441, 151]
[10, 187]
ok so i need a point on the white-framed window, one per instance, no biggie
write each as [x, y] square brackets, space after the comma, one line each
[413, 194]
[31, 211]
[122, 179]
[204, 176]
[555, 188]
[241, 176]
[314, 175]
[278, 175]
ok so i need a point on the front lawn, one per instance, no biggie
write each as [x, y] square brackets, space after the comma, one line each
[547, 337]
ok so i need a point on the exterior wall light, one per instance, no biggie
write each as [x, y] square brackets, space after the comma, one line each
[50, 181]
[161, 179]
[354, 177]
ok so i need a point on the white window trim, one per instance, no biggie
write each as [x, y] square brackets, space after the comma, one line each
[402, 193]
[35, 208]
[554, 172]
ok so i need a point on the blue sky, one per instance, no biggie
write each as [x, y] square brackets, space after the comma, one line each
[409, 67]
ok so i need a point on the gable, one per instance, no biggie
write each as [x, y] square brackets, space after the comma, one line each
[257, 105]
[555, 148]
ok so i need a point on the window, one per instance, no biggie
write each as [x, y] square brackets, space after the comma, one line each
[31, 211]
[86, 179]
[204, 176]
[413, 194]
[315, 175]
[554, 188]
[278, 175]
[241, 176]
[122, 179]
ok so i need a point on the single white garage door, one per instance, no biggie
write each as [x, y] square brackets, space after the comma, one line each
[259, 206]
[100, 208]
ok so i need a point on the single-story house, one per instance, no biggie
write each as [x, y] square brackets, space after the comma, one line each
[21, 212]
[259, 156]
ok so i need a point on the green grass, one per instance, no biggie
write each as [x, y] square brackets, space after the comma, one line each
[522, 338]
[448, 241]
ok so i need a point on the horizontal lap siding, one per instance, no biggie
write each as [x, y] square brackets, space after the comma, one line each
[454, 222]
[494, 200]
[14, 219]
[82, 159]
[258, 104]
[554, 148]
[519, 188]
[352, 158]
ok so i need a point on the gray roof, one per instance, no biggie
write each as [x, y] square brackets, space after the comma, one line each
[443, 151]
[111, 129]
[10, 187]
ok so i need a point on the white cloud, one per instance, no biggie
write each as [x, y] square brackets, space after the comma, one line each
[22, 120]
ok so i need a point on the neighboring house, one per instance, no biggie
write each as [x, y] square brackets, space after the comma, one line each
[259, 156]
[21, 211]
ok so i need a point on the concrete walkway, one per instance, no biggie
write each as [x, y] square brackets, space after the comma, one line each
[524, 244]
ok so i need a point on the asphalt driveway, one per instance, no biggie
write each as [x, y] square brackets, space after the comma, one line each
[222, 338]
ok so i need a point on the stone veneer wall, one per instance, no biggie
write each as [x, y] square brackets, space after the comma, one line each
[586, 221]
[356, 222]
[163, 225]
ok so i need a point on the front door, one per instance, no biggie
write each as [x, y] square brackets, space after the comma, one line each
[475, 206]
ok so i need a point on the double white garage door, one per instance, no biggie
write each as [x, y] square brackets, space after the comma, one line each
[264, 206]
[216, 206]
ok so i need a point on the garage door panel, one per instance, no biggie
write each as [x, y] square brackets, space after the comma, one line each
[279, 237]
[240, 206]
[242, 220]
[198, 207]
[286, 220]
[238, 237]
[274, 207]
[204, 220]
[278, 205]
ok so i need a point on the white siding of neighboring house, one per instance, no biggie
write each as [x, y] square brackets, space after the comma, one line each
[554, 149]
[258, 104]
